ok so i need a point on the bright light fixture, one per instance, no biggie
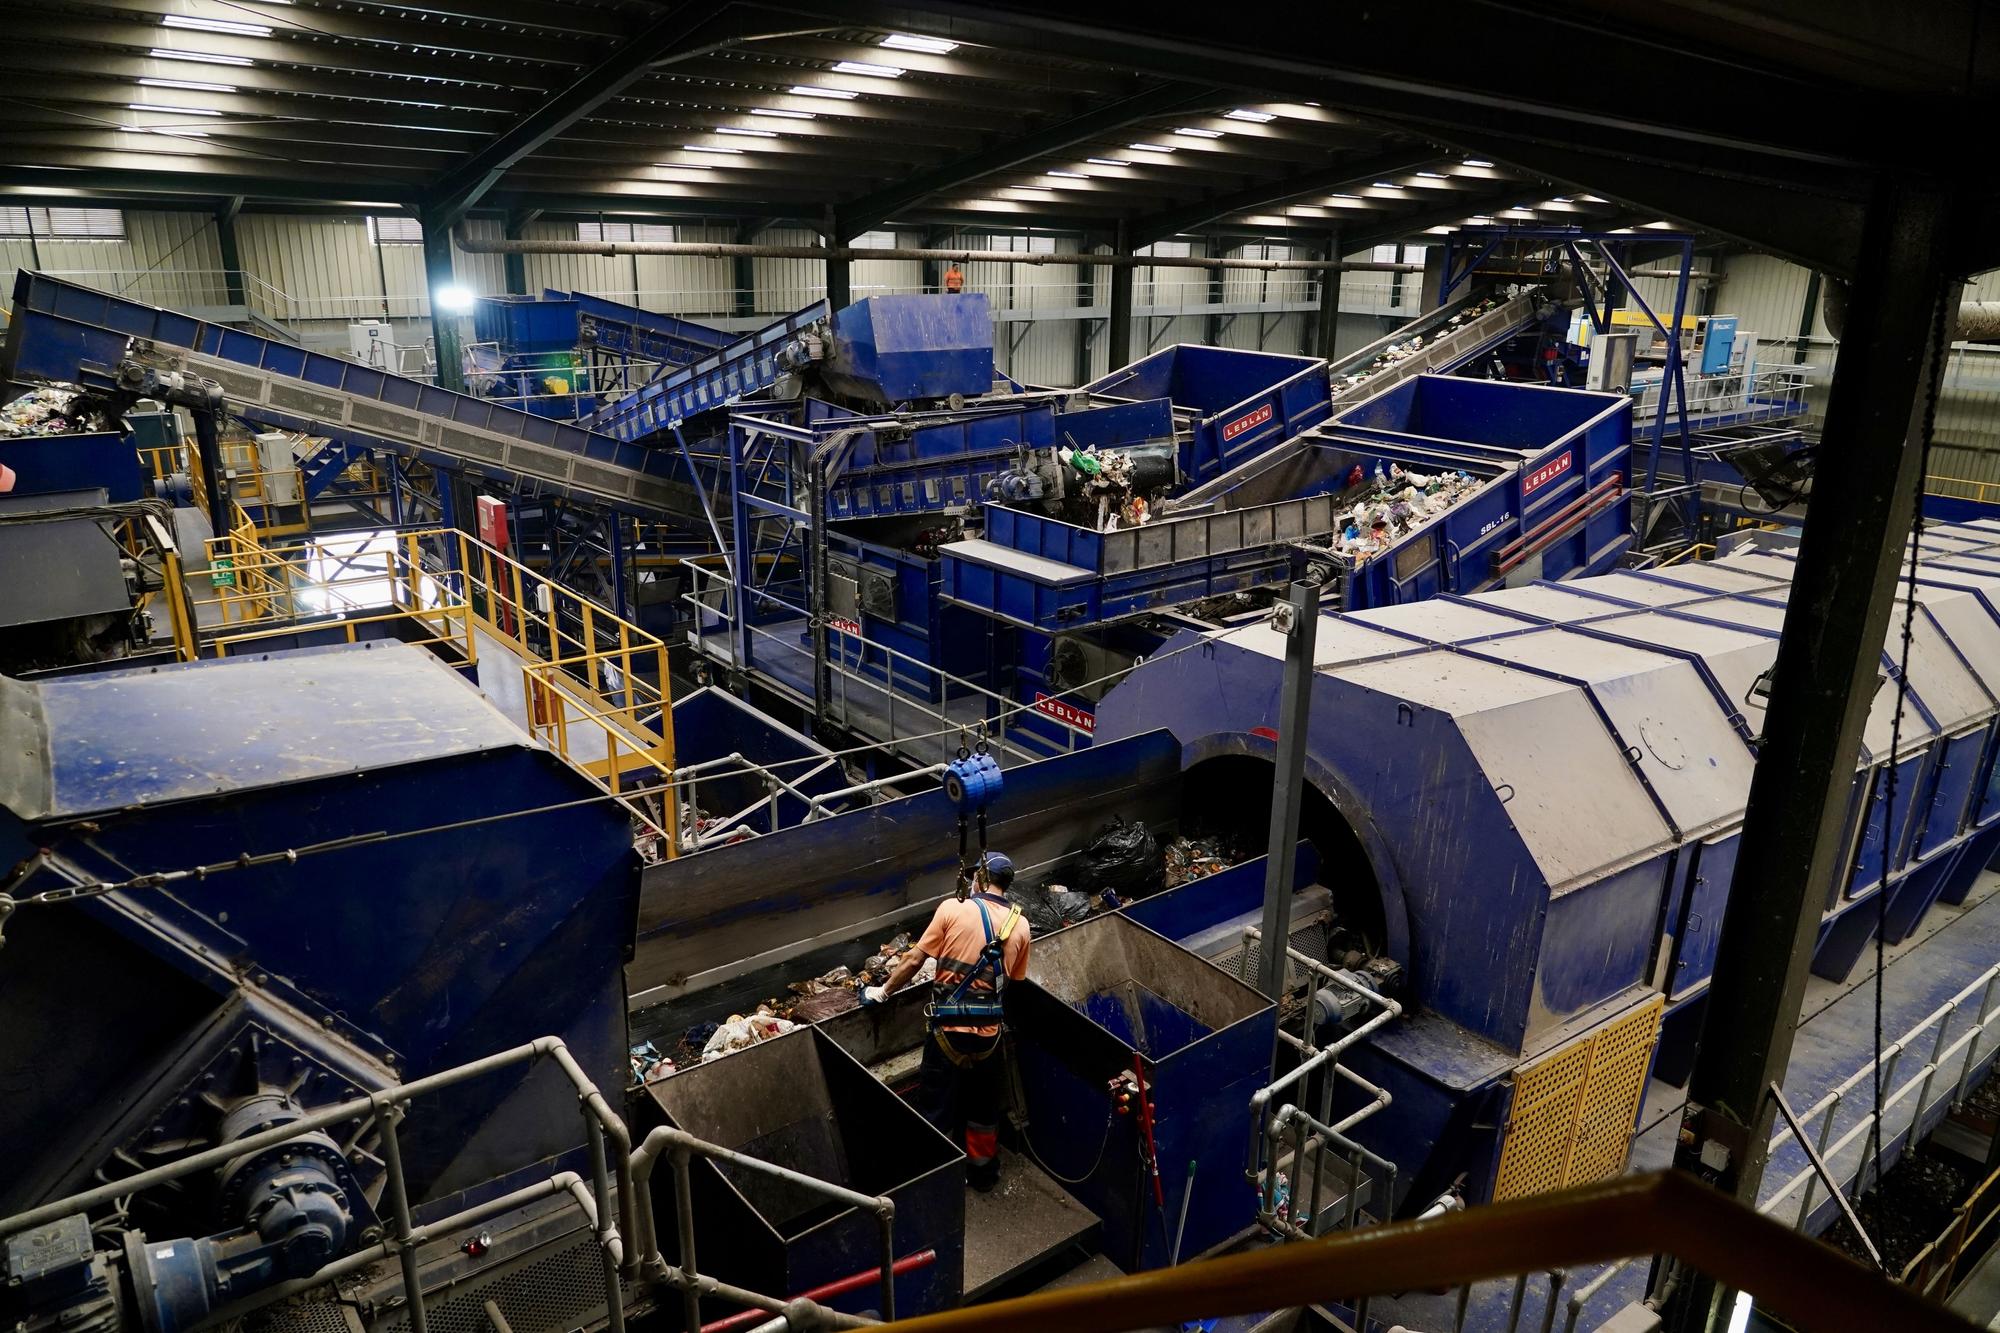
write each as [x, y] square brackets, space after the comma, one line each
[454, 298]
[190, 84]
[1258, 117]
[1560, 199]
[1433, 175]
[704, 148]
[862, 67]
[1107, 162]
[170, 110]
[192, 24]
[199, 57]
[903, 41]
[1477, 162]
[1193, 133]
[837, 94]
[1151, 147]
[782, 115]
[1385, 185]
[1071, 175]
[747, 134]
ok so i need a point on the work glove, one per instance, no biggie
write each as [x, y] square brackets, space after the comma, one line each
[873, 995]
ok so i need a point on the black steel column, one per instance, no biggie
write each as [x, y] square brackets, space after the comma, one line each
[446, 331]
[232, 257]
[517, 265]
[1826, 675]
[1086, 296]
[1118, 335]
[1329, 302]
[743, 272]
[1301, 608]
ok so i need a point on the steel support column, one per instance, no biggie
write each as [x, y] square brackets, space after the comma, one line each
[1329, 303]
[447, 329]
[1824, 681]
[1118, 335]
[1086, 296]
[743, 272]
[225, 244]
[839, 295]
[1301, 607]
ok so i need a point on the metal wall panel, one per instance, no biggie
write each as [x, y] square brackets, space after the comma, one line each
[170, 259]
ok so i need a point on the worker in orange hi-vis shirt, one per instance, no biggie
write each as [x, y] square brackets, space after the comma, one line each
[954, 279]
[980, 943]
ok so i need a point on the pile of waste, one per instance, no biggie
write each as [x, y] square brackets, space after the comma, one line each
[1403, 351]
[52, 409]
[1386, 509]
[1195, 858]
[1121, 858]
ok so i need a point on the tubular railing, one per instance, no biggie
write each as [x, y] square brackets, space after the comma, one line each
[615, 1201]
[1313, 1136]
[1934, 1269]
[1808, 1285]
[712, 591]
[595, 684]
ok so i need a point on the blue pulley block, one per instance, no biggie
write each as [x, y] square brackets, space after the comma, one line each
[972, 781]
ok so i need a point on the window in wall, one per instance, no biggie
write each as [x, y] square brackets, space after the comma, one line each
[1266, 251]
[873, 240]
[625, 231]
[394, 230]
[1022, 245]
[63, 224]
[1167, 250]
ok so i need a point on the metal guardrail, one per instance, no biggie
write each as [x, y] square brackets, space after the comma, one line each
[616, 1201]
[711, 591]
[595, 684]
[1811, 1286]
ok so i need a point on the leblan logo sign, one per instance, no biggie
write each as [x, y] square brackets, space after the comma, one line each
[1248, 421]
[1066, 713]
[1548, 472]
[844, 626]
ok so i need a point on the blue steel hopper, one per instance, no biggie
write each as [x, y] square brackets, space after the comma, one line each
[1541, 790]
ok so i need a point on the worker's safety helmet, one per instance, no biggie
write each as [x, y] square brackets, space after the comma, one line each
[999, 870]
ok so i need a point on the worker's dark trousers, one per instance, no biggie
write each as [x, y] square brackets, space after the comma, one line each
[960, 1093]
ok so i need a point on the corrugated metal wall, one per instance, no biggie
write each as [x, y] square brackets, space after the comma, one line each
[170, 259]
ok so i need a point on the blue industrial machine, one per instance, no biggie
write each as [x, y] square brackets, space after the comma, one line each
[565, 354]
[269, 891]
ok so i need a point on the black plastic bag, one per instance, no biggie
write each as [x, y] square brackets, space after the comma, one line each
[1052, 908]
[1123, 857]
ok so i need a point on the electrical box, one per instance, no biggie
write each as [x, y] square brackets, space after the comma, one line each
[1718, 344]
[371, 342]
[1610, 367]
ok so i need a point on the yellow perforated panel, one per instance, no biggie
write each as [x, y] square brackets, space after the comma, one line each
[1574, 1109]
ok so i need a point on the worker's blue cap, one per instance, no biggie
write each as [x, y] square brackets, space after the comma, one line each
[998, 867]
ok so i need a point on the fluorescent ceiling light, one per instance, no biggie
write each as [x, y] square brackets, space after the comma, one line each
[1192, 133]
[1560, 199]
[199, 57]
[1071, 175]
[902, 41]
[782, 115]
[838, 94]
[191, 24]
[190, 84]
[1385, 185]
[1107, 162]
[1477, 162]
[871, 71]
[1258, 117]
[1591, 199]
[1433, 175]
[703, 148]
[170, 110]
[747, 134]
[1151, 147]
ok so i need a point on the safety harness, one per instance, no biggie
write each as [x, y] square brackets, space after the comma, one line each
[966, 1005]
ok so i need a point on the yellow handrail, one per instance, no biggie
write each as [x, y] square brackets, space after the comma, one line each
[595, 683]
[1981, 492]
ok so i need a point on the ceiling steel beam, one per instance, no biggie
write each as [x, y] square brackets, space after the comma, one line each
[686, 29]
[856, 216]
[1330, 179]
[296, 31]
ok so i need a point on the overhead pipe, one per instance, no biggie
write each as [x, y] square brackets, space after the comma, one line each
[1978, 321]
[702, 250]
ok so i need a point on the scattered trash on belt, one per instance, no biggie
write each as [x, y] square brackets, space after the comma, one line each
[1123, 857]
[741, 1033]
[1382, 511]
[1195, 858]
[52, 409]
